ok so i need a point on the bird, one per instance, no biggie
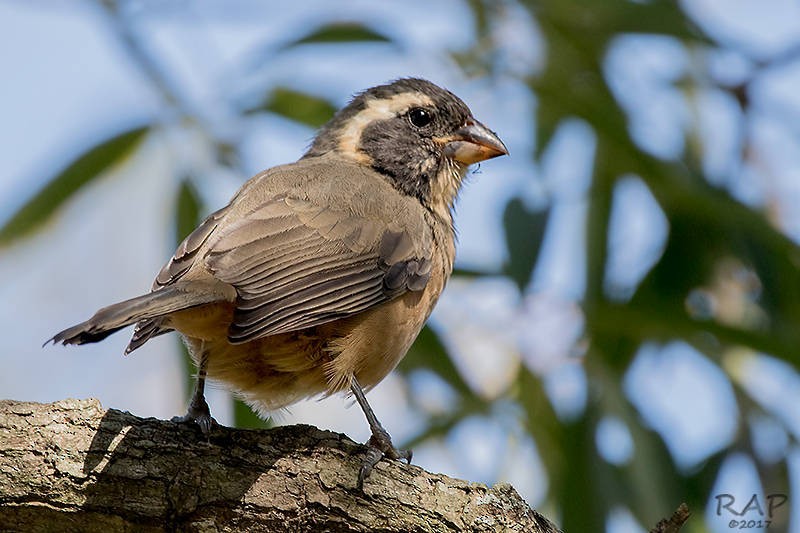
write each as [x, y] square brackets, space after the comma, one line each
[318, 275]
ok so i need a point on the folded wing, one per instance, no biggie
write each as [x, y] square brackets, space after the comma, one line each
[296, 265]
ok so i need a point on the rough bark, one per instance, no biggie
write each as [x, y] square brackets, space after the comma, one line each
[74, 466]
[674, 523]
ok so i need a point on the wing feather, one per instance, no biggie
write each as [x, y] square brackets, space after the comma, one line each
[175, 268]
[297, 265]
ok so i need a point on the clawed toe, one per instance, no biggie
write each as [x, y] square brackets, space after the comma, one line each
[383, 442]
[205, 423]
[379, 446]
[380, 443]
[200, 414]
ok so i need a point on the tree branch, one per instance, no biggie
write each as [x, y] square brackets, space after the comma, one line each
[674, 523]
[83, 468]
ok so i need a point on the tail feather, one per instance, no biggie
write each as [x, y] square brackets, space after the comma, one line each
[144, 331]
[148, 306]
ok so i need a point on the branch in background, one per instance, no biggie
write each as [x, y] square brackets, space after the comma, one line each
[75, 464]
[674, 523]
[178, 107]
[148, 66]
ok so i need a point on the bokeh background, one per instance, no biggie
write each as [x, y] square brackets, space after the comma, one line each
[623, 330]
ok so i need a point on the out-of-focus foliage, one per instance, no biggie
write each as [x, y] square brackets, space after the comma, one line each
[341, 32]
[294, 105]
[86, 167]
[707, 226]
[714, 239]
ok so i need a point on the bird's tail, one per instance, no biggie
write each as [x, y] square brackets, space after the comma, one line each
[158, 303]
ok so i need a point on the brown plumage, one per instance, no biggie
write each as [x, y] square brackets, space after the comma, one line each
[318, 275]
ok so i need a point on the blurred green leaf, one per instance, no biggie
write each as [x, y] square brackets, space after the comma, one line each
[190, 370]
[596, 21]
[542, 424]
[341, 32]
[584, 491]
[700, 237]
[227, 153]
[479, 59]
[480, 13]
[548, 120]
[188, 207]
[471, 274]
[524, 235]
[650, 483]
[295, 105]
[244, 417]
[87, 167]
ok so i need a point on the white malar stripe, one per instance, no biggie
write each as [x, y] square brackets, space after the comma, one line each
[377, 109]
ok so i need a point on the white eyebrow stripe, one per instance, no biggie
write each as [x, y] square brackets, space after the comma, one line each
[376, 109]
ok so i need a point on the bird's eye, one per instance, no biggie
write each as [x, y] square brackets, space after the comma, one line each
[420, 117]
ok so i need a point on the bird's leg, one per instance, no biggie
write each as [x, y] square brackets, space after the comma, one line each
[199, 411]
[380, 443]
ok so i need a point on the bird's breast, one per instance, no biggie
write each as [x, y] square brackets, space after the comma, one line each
[275, 371]
[369, 345]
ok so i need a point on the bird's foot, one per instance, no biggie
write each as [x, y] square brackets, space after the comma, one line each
[198, 413]
[379, 446]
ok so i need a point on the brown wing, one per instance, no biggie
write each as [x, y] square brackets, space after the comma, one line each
[296, 265]
[176, 267]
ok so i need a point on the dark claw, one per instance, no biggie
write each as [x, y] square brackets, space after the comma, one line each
[379, 446]
[200, 414]
[374, 455]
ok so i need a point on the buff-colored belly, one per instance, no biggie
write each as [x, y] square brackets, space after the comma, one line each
[276, 371]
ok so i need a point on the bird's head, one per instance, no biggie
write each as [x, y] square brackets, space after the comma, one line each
[418, 135]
